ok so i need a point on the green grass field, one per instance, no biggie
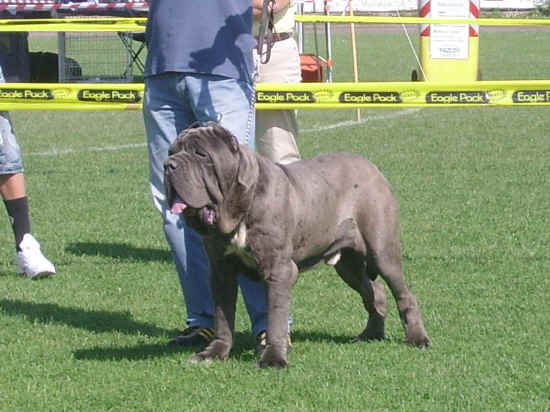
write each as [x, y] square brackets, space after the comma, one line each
[474, 190]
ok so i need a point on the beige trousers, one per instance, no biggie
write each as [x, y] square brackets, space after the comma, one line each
[276, 130]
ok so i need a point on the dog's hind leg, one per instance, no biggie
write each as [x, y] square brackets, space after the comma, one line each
[352, 269]
[387, 263]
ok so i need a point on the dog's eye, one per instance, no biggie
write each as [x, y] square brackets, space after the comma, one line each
[201, 153]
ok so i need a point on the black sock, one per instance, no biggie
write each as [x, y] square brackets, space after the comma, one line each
[18, 211]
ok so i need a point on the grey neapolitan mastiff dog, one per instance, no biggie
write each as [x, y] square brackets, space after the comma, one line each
[270, 222]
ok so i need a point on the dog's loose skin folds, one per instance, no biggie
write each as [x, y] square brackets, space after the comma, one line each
[271, 222]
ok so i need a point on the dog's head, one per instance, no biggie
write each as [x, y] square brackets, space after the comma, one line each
[209, 178]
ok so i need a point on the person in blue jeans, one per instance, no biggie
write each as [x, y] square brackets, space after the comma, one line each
[199, 67]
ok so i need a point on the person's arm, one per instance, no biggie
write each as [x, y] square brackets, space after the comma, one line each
[277, 5]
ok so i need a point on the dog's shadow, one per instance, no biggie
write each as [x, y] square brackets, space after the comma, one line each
[101, 321]
[243, 351]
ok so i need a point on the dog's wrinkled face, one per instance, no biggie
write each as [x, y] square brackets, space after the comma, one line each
[193, 177]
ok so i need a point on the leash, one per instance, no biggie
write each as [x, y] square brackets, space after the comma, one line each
[265, 36]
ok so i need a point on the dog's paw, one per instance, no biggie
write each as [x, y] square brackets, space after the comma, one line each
[277, 364]
[217, 350]
[374, 331]
[416, 335]
[367, 338]
[273, 357]
[419, 341]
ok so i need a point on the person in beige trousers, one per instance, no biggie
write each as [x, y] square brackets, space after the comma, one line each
[276, 130]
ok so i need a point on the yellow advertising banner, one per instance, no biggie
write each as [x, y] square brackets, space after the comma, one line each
[80, 24]
[273, 96]
[115, 24]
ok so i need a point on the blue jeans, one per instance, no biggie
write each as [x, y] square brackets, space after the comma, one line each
[172, 102]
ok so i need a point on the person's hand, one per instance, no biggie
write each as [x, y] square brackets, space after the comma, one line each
[275, 5]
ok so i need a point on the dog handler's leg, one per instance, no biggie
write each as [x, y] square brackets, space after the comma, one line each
[279, 284]
[224, 293]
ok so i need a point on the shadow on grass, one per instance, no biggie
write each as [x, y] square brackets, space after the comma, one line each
[99, 321]
[320, 336]
[119, 251]
[136, 353]
[336, 338]
[243, 350]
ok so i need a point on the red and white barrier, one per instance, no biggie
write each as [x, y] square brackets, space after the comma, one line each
[449, 52]
[45, 5]
[424, 10]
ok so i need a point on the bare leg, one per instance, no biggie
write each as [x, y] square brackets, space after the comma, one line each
[12, 186]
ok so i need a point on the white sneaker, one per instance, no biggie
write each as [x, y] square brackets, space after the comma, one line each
[30, 261]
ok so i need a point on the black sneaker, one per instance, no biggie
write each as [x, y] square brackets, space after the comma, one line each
[261, 343]
[195, 335]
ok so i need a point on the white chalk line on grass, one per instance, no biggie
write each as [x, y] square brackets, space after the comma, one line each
[59, 152]
[348, 123]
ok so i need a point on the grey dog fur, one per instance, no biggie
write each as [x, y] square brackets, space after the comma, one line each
[271, 222]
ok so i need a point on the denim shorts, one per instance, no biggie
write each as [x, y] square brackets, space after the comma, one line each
[10, 153]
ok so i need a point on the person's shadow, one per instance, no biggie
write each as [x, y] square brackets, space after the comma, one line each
[98, 321]
[227, 47]
[243, 350]
[121, 251]
[102, 321]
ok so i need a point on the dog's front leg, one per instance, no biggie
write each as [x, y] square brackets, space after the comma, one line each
[279, 282]
[224, 294]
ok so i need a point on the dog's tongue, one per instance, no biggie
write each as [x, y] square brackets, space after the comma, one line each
[178, 206]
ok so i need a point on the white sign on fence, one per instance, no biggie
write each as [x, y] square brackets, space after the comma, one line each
[449, 41]
[340, 6]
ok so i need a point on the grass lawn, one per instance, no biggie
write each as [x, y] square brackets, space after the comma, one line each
[474, 193]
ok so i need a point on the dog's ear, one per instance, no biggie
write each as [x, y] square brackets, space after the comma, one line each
[226, 136]
[248, 169]
[177, 145]
[239, 196]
